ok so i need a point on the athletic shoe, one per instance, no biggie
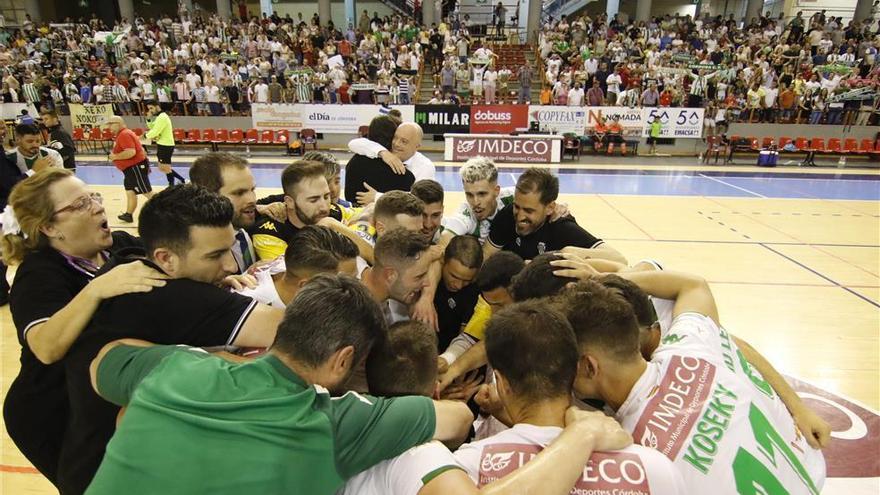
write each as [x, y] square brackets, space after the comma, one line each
[126, 217]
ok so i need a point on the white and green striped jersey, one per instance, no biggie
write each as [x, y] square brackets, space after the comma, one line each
[721, 424]
[464, 221]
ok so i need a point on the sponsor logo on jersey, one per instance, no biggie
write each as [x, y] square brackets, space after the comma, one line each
[606, 473]
[269, 226]
[671, 414]
[542, 247]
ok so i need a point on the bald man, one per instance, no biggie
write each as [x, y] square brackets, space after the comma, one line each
[129, 156]
[403, 155]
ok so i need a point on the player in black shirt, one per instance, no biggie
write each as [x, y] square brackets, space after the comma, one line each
[456, 294]
[523, 226]
[64, 240]
[187, 234]
[374, 171]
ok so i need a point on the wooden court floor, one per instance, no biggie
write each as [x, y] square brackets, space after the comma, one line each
[798, 279]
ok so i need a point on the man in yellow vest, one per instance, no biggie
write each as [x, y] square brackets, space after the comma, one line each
[162, 133]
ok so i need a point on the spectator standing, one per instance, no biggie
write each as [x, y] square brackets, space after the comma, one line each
[129, 157]
[59, 139]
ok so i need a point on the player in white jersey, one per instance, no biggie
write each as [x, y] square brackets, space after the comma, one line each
[724, 432]
[484, 198]
[404, 364]
[533, 352]
[655, 319]
[312, 250]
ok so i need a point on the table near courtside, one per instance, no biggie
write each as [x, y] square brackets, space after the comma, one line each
[522, 148]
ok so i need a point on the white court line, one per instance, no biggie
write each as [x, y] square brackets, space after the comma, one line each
[733, 186]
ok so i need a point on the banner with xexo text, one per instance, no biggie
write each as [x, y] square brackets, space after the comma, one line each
[329, 118]
[88, 116]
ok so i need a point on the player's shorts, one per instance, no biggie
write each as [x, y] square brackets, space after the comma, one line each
[163, 154]
[137, 178]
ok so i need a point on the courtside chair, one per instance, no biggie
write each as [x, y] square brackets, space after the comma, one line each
[309, 136]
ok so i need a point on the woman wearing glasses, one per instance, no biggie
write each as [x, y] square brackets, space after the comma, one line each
[57, 232]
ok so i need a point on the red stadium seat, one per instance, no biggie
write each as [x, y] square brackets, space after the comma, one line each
[251, 136]
[817, 145]
[850, 145]
[221, 136]
[767, 142]
[282, 137]
[867, 146]
[783, 141]
[834, 146]
[754, 141]
[208, 136]
[801, 143]
[79, 134]
[235, 137]
[267, 137]
[107, 135]
[179, 135]
[193, 136]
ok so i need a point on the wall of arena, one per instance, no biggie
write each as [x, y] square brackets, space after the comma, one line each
[682, 147]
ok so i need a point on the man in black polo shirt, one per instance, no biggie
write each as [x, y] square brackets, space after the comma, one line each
[523, 226]
[187, 234]
[456, 294]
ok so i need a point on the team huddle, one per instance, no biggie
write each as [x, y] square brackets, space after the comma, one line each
[301, 343]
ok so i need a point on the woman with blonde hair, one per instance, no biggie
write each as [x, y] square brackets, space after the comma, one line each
[57, 234]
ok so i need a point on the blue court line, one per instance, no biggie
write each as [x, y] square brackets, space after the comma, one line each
[796, 262]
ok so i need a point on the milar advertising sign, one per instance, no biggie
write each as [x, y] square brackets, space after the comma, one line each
[440, 119]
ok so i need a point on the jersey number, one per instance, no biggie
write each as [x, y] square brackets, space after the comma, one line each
[752, 476]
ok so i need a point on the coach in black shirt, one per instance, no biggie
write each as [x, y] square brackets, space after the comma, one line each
[523, 226]
[456, 294]
[374, 171]
[187, 234]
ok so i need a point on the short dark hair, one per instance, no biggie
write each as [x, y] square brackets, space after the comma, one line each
[499, 270]
[541, 181]
[315, 325]
[298, 171]
[318, 249]
[207, 170]
[405, 362]
[166, 218]
[382, 129]
[641, 304]
[601, 319]
[534, 347]
[427, 190]
[466, 249]
[26, 130]
[393, 203]
[399, 247]
[537, 279]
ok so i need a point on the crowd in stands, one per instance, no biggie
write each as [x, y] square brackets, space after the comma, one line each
[807, 70]
[207, 66]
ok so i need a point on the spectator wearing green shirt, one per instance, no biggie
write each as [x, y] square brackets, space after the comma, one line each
[196, 423]
[162, 133]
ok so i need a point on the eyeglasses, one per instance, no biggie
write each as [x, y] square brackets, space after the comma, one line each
[83, 203]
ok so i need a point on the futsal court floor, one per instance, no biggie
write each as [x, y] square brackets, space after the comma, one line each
[792, 255]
